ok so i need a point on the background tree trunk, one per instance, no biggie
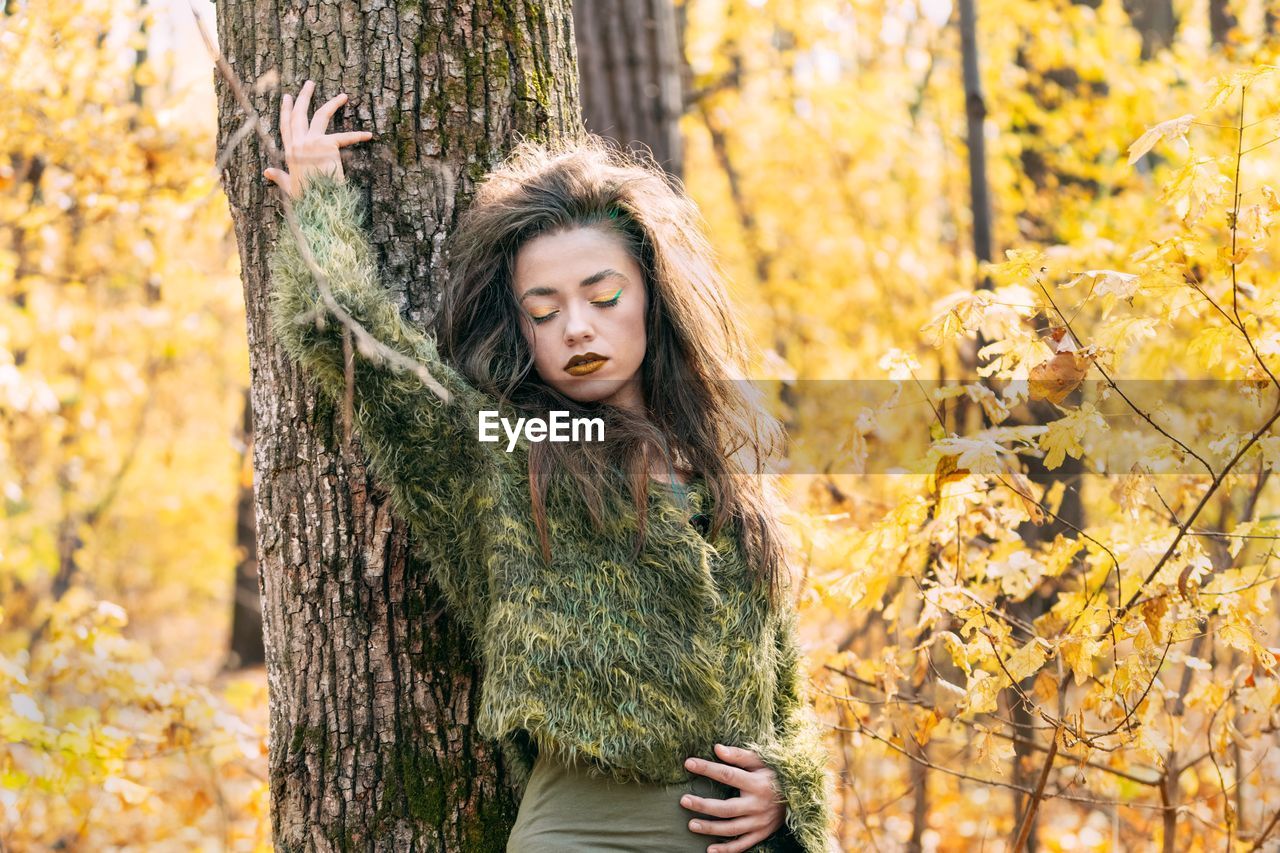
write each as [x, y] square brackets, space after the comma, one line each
[1155, 20]
[1221, 21]
[629, 62]
[1070, 513]
[371, 684]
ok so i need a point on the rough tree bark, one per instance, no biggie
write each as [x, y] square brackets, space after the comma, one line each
[629, 61]
[371, 683]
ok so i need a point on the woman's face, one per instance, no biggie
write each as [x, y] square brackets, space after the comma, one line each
[582, 299]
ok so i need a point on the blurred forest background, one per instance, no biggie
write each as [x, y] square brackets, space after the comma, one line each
[1016, 640]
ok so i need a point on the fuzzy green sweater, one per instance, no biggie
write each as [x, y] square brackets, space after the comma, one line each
[632, 663]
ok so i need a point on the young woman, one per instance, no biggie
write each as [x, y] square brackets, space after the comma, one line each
[626, 594]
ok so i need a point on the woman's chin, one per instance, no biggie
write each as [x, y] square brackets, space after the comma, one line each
[590, 390]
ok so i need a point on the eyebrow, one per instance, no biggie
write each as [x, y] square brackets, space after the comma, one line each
[586, 282]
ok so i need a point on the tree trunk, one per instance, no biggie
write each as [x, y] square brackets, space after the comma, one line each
[975, 107]
[1070, 514]
[371, 684]
[1221, 21]
[1155, 20]
[629, 61]
[246, 601]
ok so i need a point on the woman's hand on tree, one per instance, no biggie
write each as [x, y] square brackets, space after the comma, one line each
[308, 149]
[753, 815]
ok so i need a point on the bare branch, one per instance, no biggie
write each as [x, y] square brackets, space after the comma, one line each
[1029, 816]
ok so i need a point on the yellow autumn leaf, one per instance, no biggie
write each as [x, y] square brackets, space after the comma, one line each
[923, 722]
[1226, 85]
[995, 751]
[957, 649]
[1121, 333]
[1229, 259]
[1059, 554]
[1196, 185]
[1045, 689]
[1216, 345]
[997, 411]
[1171, 129]
[1018, 573]
[1018, 264]
[982, 690]
[1055, 378]
[946, 471]
[1028, 659]
[1026, 495]
[978, 455]
[957, 314]
[1236, 636]
[1078, 653]
[1059, 440]
[1254, 222]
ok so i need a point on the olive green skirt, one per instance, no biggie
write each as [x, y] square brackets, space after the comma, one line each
[564, 810]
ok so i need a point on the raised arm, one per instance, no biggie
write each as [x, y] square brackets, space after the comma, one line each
[424, 450]
[796, 752]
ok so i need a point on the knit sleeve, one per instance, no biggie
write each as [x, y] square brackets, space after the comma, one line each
[424, 451]
[796, 752]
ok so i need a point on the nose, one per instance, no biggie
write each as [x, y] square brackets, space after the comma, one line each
[577, 327]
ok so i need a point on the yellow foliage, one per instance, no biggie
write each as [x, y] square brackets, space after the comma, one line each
[122, 364]
[827, 152]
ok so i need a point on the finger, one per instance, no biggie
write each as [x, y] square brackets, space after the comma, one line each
[725, 828]
[280, 179]
[299, 117]
[320, 121]
[286, 132]
[732, 776]
[762, 782]
[732, 807]
[746, 842]
[350, 136]
[741, 757]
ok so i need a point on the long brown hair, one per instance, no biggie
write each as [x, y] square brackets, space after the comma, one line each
[701, 413]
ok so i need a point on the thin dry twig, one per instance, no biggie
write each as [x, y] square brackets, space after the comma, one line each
[1266, 832]
[1235, 227]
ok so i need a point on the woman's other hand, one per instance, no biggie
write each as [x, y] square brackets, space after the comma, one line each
[753, 815]
[308, 149]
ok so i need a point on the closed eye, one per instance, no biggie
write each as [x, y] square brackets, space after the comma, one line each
[602, 303]
[611, 301]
